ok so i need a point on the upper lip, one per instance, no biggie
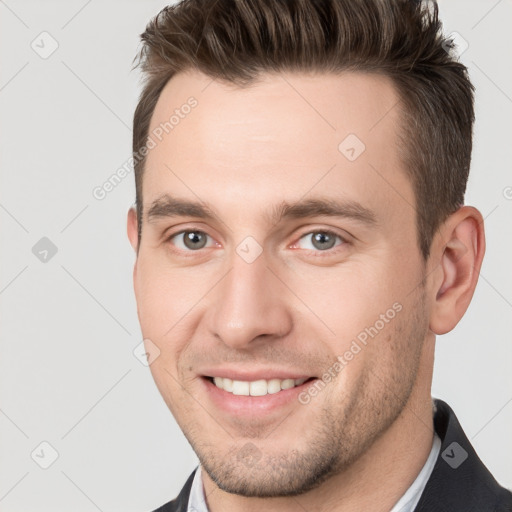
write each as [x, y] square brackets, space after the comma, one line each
[252, 375]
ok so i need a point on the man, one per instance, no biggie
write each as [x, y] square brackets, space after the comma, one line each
[301, 239]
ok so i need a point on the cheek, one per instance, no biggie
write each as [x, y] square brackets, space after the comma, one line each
[155, 306]
[346, 299]
[164, 296]
[170, 306]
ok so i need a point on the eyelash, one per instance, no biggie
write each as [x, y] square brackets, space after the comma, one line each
[328, 232]
[327, 252]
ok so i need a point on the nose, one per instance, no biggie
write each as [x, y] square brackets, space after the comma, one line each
[249, 305]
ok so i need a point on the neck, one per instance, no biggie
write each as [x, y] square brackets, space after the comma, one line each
[374, 482]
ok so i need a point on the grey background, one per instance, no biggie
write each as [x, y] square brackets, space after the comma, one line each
[68, 375]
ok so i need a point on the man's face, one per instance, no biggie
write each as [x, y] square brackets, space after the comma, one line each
[260, 293]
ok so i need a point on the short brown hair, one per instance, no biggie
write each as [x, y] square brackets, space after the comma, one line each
[237, 40]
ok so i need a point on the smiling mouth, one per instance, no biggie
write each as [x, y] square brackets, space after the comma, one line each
[259, 387]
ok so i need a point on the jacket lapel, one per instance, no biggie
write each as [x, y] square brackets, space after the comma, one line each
[180, 504]
[459, 481]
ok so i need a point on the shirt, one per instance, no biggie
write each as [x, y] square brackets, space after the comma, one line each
[407, 503]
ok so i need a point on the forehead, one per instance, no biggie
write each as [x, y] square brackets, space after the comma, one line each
[281, 137]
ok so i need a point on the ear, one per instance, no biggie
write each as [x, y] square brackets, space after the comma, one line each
[132, 228]
[458, 251]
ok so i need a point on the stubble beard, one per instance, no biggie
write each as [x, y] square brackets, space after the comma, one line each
[336, 437]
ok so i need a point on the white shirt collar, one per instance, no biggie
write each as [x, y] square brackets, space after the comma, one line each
[408, 502]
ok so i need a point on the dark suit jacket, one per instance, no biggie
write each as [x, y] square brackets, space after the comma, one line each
[459, 481]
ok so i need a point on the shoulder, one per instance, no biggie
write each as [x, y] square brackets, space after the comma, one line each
[179, 504]
[460, 481]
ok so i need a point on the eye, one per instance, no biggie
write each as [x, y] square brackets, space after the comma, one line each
[320, 240]
[191, 240]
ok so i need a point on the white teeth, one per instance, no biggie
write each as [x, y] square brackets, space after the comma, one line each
[260, 387]
[227, 384]
[273, 386]
[240, 388]
[287, 384]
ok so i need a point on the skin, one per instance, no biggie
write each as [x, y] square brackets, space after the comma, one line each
[361, 441]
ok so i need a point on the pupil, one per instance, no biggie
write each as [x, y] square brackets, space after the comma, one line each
[194, 240]
[323, 241]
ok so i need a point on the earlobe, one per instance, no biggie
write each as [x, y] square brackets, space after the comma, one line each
[459, 261]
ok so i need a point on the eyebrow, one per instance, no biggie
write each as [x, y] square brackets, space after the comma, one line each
[168, 207]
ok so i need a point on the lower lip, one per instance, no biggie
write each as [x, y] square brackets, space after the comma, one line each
[242, 405]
